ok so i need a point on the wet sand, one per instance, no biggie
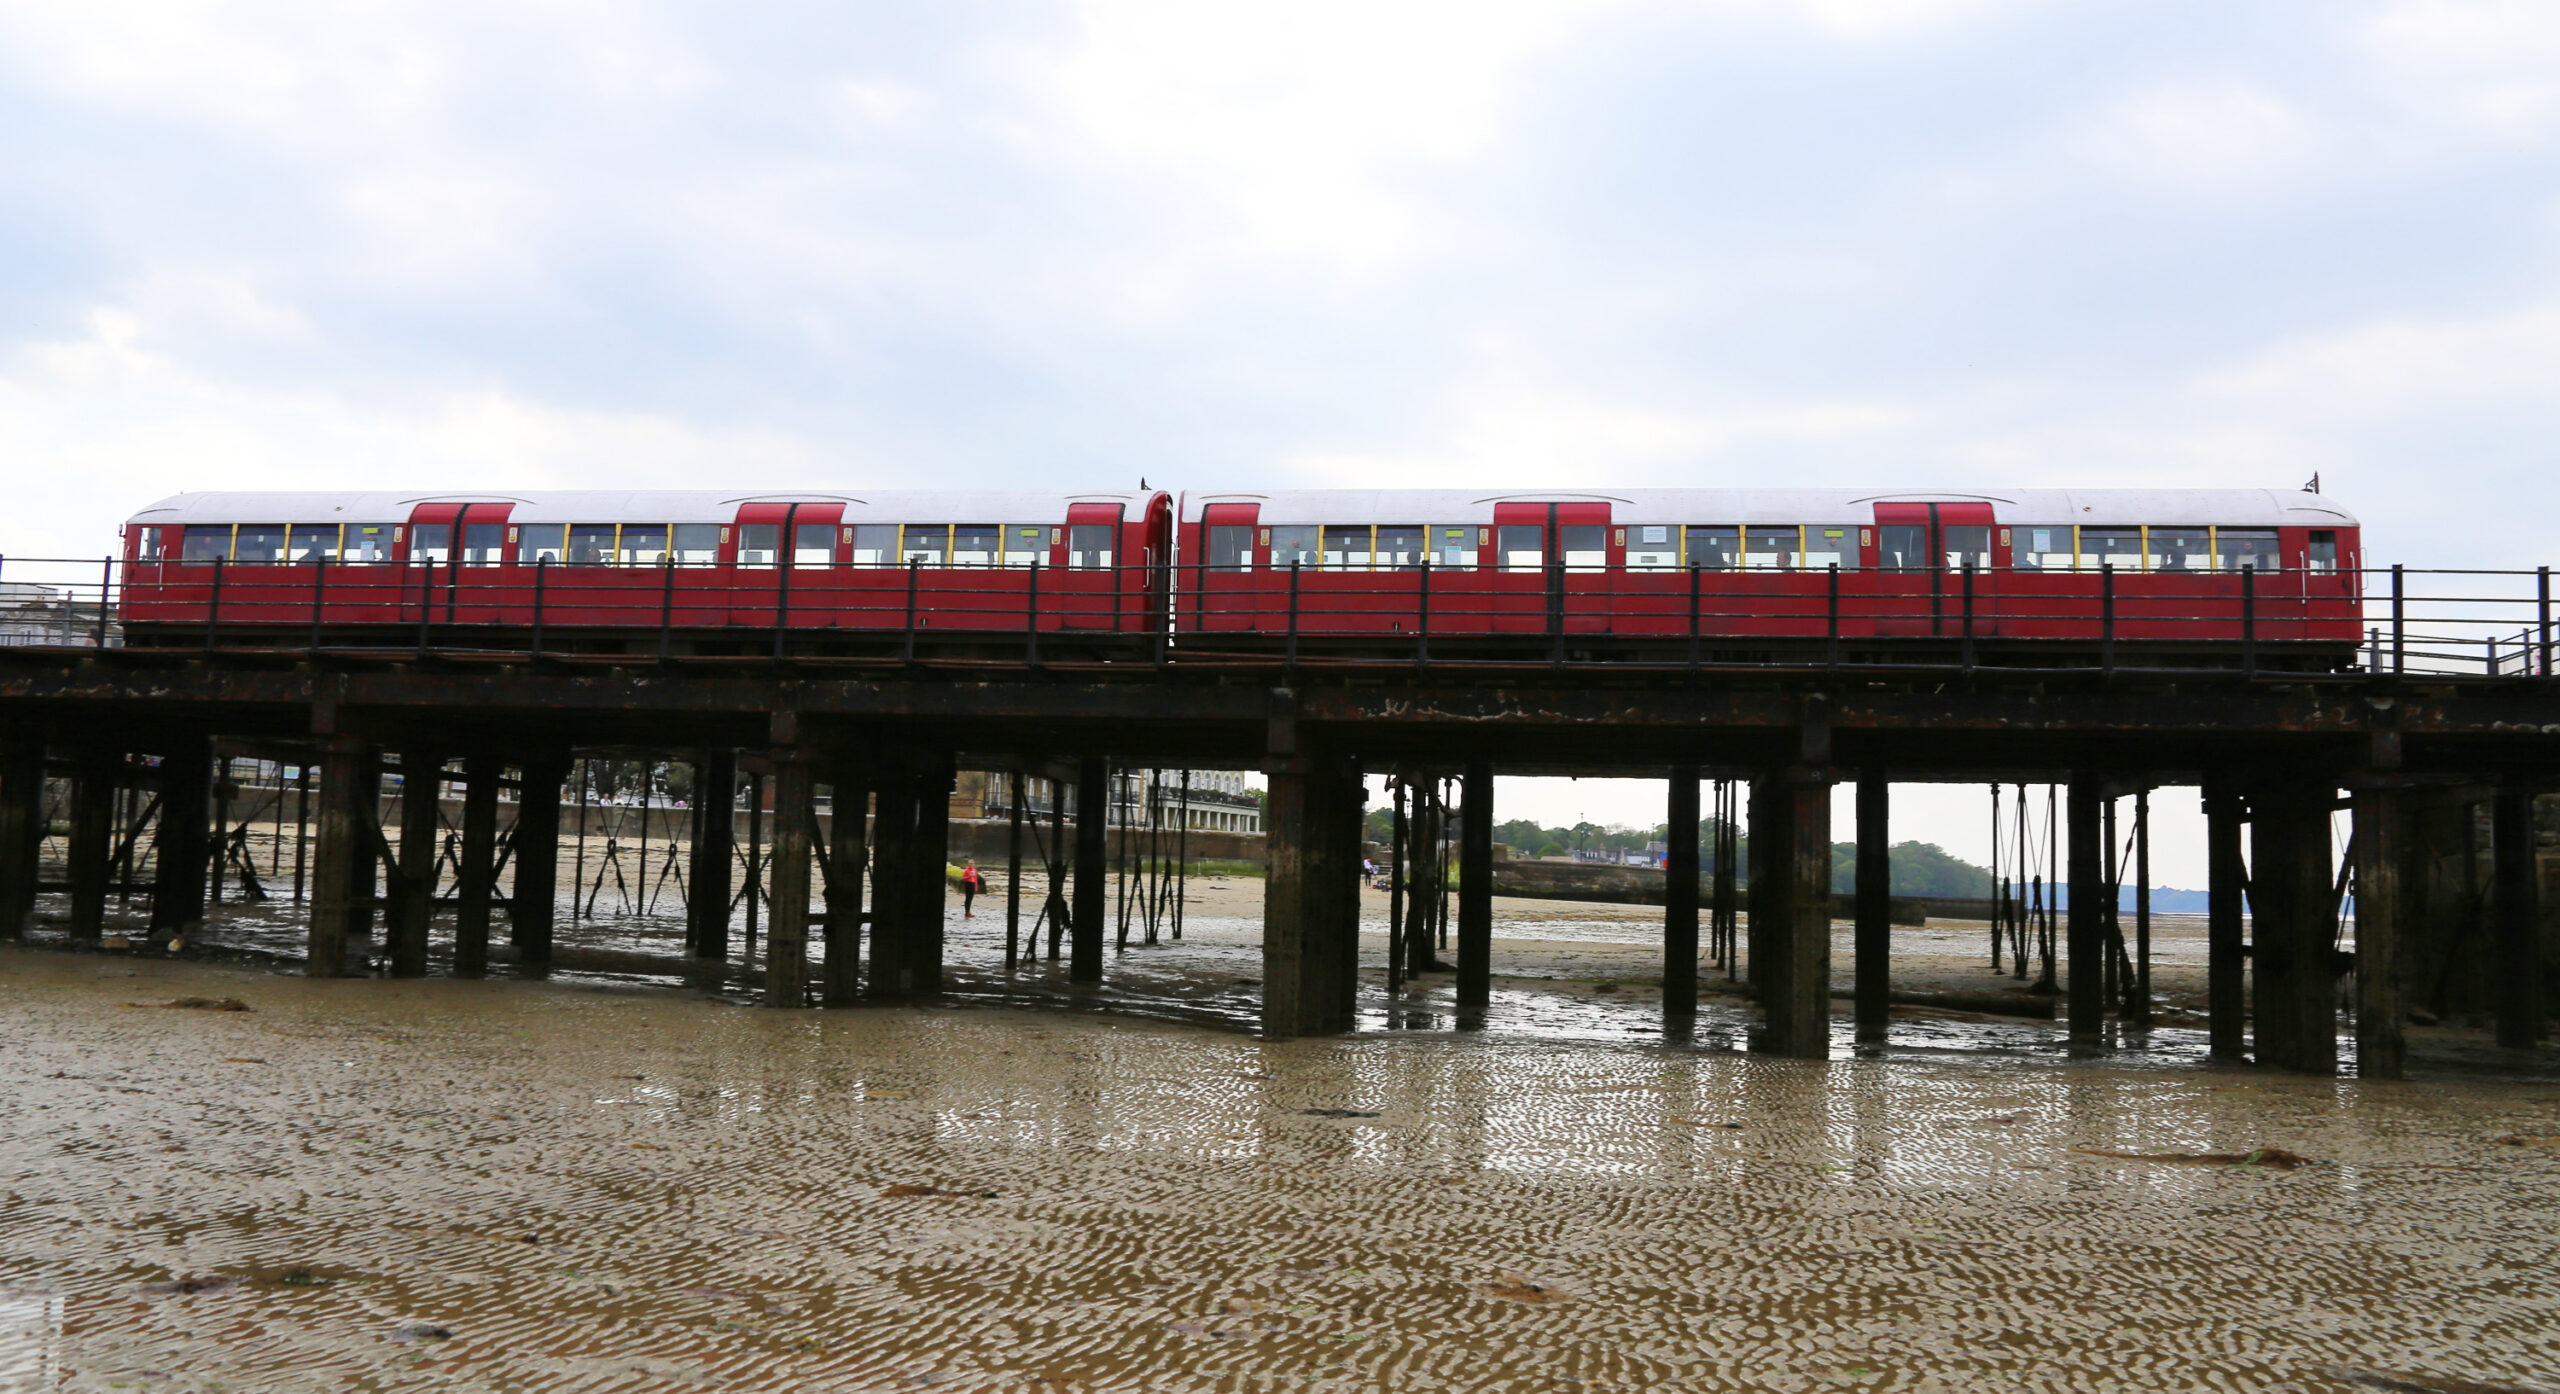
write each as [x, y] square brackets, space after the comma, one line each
[519, 1185]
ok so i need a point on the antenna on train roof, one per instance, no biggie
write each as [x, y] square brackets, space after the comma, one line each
[1142, 483]
[2314, 486]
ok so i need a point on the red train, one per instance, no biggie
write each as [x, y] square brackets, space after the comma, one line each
[1717, 574]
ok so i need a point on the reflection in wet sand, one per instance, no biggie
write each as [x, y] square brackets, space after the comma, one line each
[395, 1184]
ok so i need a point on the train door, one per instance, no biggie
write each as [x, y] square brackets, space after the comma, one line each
[786, 567]
[1088, 591]
[1232, 553]
[1922, 551]
[1516, 589]
[1590, 556]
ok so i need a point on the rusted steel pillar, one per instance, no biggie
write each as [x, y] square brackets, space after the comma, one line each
[2518, 952]
[476, 876]
[2380, 831]
[367, 850]
[534, 904]
[1093, 872]
[413, 882]
[1287, 845]
[707, 885]
[1311, 907]
[183, 841]
[347, 784]
[2084, 981]
[893, 831]
[786, 971]
[2294, 923]
[2226, 880]
[1875, 908]
[1475, 887]
[848, 852]
[932, 853]
[21, 832]
[1680, 896]
[913, 831]
[1764, 889]
[93, 825]
[1791, 913]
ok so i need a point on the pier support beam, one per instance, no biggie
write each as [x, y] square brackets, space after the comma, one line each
[2518, 951]
[1311, 906]
[2381, 831]
[183, 842]
[1875, 908]
[2085, 906]
[786, 968]
[848, 855]
[913, 829]
[344, 859]
[535, 903]
[2226, 880]
[2294, 921]
[21, 832]
[1791, 909]
[1680, 897]
[93, 822]
[1093, 871]
[477, 873]
[1475, 888]
[715, 822]
[413, 882]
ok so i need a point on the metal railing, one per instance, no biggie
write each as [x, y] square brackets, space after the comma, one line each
[2446, 622]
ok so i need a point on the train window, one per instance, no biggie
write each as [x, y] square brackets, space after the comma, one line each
[259, 542]
[644, 544]
[875, 544]
[1089, 546]
[1715, 549]
[206, 543]
[2044, 549]
[2181, 549]
[973, 544]
[759, 543]
[1966, 544]
[1453, 546]
[1025, 543]
[370, 542]
[483, 544]
[1345, 549]
[697, 544]
[430, 541]
[1652, 547]
[1293, 546]
[2120, 548]
[1585, 546]
[1230, 547]
[312, 542]
[929, 545]
[590, 544]
[1399, 549]
[2323, 553]
[1903, 546]
[535, 542]
[813, 544]
[1523, 547]
[1770, 548]
[2245, 549]
[1824, 547]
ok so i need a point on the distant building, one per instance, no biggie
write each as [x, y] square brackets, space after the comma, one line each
[1215, 801]
[32, 614]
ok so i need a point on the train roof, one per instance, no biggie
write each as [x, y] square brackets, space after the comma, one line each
[2264, 508]
[629, 505]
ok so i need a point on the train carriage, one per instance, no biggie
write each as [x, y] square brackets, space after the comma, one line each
[689, 571]
[1760, 574]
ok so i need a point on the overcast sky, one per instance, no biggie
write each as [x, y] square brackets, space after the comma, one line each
[1962, 243]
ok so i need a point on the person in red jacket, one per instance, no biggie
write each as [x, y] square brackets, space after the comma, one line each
[970, 884]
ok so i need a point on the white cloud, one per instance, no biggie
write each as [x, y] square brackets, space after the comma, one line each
[2404, 366]
[2490, 67]
[2203, 136]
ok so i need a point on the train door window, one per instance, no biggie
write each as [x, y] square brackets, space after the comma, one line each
[875, 544]
[533, 543]
[1089, 546]
[1399, 549]
[2046, 549]
[2246, 549]
[1025, 543]
[259, 542]
[973, 544]
[2181, 549]
[1295, 545]
[483, 544]
[1826, 547]
[928, 545]
[696, 544]
[1652, 547]
[1715, 549]
[1771, 548]
[813, 544]
[1585, 546]
[1345, 549]
[367, 542]
[1453, 546]
[590, 544]
[151, 545]
[1966, 544]
[759, 544]
[2323, 552]
[312, 542]
[1230, 547]
[2120, 548]
[1903, 546]
[644, 544]
[433, 542]
[1523, 547]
